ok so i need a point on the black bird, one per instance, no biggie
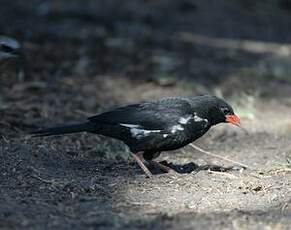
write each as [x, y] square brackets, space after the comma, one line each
[152, 127]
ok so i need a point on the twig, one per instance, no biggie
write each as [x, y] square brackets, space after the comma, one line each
[283, 209]
[83, 113]
[245, 45]
[224, 174]
[5, 139]
[44, 180]
[280, 170]
[217, 156]
[53, 181]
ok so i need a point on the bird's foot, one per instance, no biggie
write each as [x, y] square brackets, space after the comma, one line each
[141, 164]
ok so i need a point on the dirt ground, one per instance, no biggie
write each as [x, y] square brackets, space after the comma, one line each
[84, 57]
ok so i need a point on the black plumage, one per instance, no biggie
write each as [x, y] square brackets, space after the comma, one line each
[156, 126]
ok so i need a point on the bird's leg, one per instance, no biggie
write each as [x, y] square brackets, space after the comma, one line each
[141, 164]
[163, 167]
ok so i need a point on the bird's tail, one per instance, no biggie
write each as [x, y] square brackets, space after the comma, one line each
[62, 130]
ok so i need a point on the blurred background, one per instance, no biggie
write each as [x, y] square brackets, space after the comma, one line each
[81, 57]
[62, 61]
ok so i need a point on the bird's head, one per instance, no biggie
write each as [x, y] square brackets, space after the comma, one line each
[220, 111]
[217, 111]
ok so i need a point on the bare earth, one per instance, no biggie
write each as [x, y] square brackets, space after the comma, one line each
[80, 64]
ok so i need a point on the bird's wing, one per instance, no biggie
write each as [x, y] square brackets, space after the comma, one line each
[155, 115]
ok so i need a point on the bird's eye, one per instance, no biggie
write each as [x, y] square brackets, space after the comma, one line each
[225, 111]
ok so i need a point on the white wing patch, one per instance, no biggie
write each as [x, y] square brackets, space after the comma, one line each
[176, 128]
[138, 132]
[184, 120]
[199, 119]
[130, 125]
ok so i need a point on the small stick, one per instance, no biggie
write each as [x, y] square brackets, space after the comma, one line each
[245, 130]
[217, 156]
[224, 174]
[83, 113]
[44, 180]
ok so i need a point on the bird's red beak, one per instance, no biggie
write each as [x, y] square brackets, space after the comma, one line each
[233, 119]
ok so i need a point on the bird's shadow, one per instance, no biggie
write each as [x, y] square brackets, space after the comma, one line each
[193, 167]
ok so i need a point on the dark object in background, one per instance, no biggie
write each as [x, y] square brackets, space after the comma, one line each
[187, 6]
[9, 48]
[285, 4]
[11, 59]
[156, 126]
